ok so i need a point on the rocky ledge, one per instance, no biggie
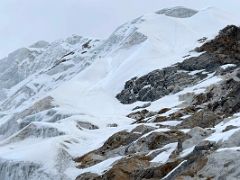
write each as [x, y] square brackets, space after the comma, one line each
[199, 139]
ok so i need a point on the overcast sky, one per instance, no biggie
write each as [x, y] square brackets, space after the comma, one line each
[22, 22]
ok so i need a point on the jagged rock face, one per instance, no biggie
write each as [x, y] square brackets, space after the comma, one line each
[204, 61]
[202, 119]
[222, 99]
[224, 49]
[47, 134]
[198, 150]
[226, 43]
[221, 166]
[156, 84]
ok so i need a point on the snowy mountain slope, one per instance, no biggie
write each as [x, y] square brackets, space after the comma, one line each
[61, 102]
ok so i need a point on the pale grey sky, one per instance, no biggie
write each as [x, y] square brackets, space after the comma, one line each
[22, 22]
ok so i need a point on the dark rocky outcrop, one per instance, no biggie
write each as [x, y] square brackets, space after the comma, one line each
[222, 99]
[227, 42]
[156, 84]
[194, 155]
[224, 49]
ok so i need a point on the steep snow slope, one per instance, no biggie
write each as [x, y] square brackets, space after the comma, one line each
[60, 102]
[168, 41]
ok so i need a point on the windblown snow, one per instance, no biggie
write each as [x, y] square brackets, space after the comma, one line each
[58, 100]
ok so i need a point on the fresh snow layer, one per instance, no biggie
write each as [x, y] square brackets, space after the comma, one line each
[167, 151]
[85, 86]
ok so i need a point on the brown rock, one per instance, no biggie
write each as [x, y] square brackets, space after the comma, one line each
[164, 110]
[119, 139]
[140, 115]
[89, 160]
[203, 118]
[109, 149]
[158, 172]
[155, 140]
[160, 119]
[88, 176]
[143, 129]
[126, 167]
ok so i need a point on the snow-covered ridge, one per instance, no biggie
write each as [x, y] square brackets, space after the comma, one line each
[58, 99]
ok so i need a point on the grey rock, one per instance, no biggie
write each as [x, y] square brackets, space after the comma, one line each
[34, 130]
[141, 107]
[86, 125]
[222, 165]
[197, 135]
[143, 129]
[230, 127]
[87, 176]
[155, 140]
[233, 140]
[178, 12]
[155, 85]
[203, 118]
[40, 44]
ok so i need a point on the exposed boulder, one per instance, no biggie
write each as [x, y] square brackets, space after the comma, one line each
[86, 125]
[222, 166]
[119, 139]
[155, 85]
[115, 145]
[194, 162]
[143, 129]
[139, 116]
[203, 118]
[154, 173]
[88, 176]
[197, 134]
[233, 140]
[222, 98]
[155, 140]
[126, 168]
